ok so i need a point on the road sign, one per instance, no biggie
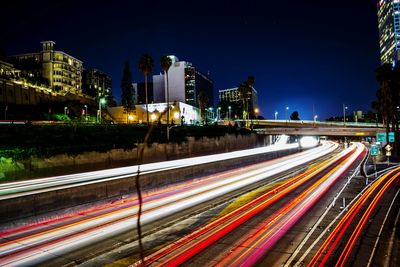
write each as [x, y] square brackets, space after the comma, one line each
[381, 137]
[388, 153]
[374, 150]
[388, 148]
[391, 137]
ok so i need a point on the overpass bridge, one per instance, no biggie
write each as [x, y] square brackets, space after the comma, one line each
[277, 127]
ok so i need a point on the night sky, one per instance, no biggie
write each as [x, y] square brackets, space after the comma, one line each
[302, 53]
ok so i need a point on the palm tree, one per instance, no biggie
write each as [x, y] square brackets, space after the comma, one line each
[166, 63]
[245, 89]
[384, 76]
[203, 99]
[249, 83]
[146, 66]
[243, 92]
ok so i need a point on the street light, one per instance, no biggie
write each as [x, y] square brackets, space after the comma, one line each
[85, 112]
[256, 110]
[101, 101]
[276, 115]
[229, 112]
[344, 114]
[65, 111]
[315, 118]
[211, 111]
[219, 114]
[286, 111]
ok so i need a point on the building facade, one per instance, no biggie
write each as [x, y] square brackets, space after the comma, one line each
[181, 113]
[62, 71]
[185, 84]
[389, 30]
[96, 83]
[231, 102]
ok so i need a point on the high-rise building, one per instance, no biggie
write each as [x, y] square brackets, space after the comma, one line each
[96, 83]
[62, 71]
[140, 93]
[185, 84]
[389, 30]
[231, 98]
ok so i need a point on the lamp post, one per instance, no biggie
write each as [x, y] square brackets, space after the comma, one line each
[229, 112]
[65, 111]
[85, 112]
[211, 111]
[315, 119]
[256, 110]
[276, 115]
[344, 114]
[101, 101]
[219, 114]
[286, 111]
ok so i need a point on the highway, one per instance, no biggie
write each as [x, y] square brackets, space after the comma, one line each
[29, 187]
[42, 242]
[243, 239]
[360, 212]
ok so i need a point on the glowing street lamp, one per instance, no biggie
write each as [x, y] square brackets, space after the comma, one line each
[344, 114]
[229, 112]
[65, 111]
[219, 113]
[102, 101]
[276, 115]
[286, 111]
[85, 112]
[315, 119]
[211, 111]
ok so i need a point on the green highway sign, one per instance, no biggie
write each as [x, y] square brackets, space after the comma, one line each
[391, 137]
[381, 137]
[374, 150]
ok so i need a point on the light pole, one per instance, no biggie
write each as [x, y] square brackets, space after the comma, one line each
[256, 110]
[344, 114]
[101, 101]
[219, 114]
[276, 115]
[65, 111]
[286, 111]
[85, 112]
[229, 112]
[211, 111]
[315, 119]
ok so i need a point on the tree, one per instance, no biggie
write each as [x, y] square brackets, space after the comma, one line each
[166, 63]
[146, 67]
[294, 116]
[245, 90]
[203, 99]
[127, 98]
[388, 96]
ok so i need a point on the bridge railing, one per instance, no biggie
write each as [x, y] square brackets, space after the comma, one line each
[316, 123]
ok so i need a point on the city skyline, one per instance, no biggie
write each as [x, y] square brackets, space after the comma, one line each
[271, 42]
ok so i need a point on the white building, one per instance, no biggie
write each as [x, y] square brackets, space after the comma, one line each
[185, 84]
[179, 113]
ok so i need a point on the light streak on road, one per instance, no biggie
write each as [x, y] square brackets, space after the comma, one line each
[31, 245]
[194, 243]
[249, 251]
[35, 186]
[375, 191]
